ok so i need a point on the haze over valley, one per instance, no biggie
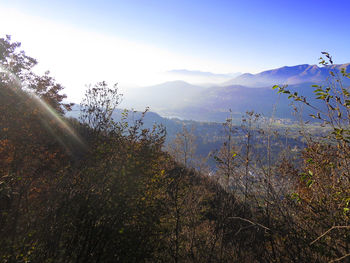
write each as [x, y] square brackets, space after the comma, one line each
[213, 102]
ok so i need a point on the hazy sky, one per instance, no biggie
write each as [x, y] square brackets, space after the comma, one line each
[133, 42]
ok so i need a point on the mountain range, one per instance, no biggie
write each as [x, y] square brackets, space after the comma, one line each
[287, 75]
[201, 77]
[244, 92]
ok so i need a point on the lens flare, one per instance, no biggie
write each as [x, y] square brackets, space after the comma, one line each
[11, 77]
[50, 117]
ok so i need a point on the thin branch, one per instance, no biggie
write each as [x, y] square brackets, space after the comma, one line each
[329, 230]
[243, 228]
[341, 258]
[251, 222]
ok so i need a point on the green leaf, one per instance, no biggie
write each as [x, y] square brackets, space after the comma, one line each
[309, 183]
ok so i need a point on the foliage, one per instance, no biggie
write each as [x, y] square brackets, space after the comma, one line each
[323, 190]
[101, 190]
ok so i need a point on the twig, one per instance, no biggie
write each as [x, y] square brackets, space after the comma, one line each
[251, 222]
[329, 230]
[338, 259]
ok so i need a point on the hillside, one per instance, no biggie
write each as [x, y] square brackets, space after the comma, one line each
[110, 187]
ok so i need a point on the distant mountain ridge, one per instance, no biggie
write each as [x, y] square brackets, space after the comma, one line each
[201, 77]
[287, 75]
[245, 92]
[202, 73]
[163, 96]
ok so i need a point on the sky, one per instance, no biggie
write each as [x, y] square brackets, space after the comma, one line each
[135, 42]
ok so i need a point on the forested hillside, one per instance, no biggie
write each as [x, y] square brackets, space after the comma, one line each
[207, 137]
[105, 189]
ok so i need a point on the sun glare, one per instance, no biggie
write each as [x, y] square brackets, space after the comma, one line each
[51, 117]
[54, 117]
[83, 57]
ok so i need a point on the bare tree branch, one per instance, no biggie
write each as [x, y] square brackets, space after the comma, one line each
[341, 258]
[251, 222]
[329, 230]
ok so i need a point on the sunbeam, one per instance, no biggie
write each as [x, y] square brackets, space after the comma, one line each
[50, 118]
[53, 115]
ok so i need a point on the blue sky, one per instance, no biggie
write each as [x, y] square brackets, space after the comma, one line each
[216, 36]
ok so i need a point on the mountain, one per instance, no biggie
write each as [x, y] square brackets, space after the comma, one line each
[218, 103]
[163, 96]
[245, 92]
[202, 77]
[287, 75]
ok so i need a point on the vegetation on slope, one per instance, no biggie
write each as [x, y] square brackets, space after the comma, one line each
[100, 190]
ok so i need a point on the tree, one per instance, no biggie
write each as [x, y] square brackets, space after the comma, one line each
[31, 147]
[323, 191]
[98, 106]
[183, 147]
[16, 73]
